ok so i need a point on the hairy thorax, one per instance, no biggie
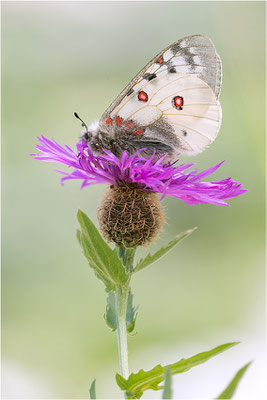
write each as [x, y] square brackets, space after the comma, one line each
[120, 140]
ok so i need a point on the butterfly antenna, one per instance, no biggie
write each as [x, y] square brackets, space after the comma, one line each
[83, 123]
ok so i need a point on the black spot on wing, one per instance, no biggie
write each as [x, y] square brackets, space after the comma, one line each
[186, 53]
[189, 57]
[176, 48]
[199, 55]
[171, 70]
[184, 132]
[149, 77]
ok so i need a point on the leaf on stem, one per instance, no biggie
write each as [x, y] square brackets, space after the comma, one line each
[126, 254]
[92, 390]
[111, 317]
[167, 391]
[101, 257]
[149, 259]
[131, 314]
[231, 388]
[137, 383]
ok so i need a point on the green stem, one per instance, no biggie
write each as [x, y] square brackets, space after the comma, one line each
[121, 296]
[121, 307]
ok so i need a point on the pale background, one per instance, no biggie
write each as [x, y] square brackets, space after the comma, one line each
[60, 57]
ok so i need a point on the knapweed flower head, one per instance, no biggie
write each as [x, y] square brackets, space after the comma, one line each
[134, 181]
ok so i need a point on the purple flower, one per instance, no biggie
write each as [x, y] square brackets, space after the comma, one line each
[150, 174]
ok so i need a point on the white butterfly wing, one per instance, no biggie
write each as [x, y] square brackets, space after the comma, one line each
[197, 123]
[190, 70]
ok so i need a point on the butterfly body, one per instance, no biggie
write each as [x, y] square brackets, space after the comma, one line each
[171, 105]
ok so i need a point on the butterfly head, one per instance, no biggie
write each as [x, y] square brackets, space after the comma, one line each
[90, 134]
[96, 139]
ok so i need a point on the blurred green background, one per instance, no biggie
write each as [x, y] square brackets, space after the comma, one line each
[61, 57]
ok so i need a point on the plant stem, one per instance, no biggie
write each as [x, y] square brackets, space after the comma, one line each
[121, 307]
[121, 301]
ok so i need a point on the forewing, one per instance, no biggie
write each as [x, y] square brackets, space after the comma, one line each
[190, 55]
[188, 71]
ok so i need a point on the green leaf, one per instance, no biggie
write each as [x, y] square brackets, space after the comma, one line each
[122, 382]
[100, 256]
[92, 390]
[127, 256]
[167, 391]
[111, 316]
[131, 314]
[231, 388]
[137, 383]
[149, 259]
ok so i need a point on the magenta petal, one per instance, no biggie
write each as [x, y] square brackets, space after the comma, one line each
[150, 174]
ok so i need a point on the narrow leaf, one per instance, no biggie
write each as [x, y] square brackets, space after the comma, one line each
[231, 388]
[122, 382]
[92, 390]
[131, 314]
[167, 391]
[149, 259]
[127, 256]
[100, 256]
[137, 383]
[111, 316]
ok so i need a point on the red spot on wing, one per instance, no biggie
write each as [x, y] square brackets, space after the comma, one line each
[160, 60]
[140, 132]
[178, 101]
[142, 96]
[118, 121]
[108, 120]
[130, 125]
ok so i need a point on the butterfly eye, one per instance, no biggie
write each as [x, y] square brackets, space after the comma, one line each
[142, 96]
[178, 102]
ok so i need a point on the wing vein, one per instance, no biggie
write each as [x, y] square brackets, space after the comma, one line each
[195, 116]
[186, 127]
[181, 91]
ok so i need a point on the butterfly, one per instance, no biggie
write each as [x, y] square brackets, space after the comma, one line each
[170, 106]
